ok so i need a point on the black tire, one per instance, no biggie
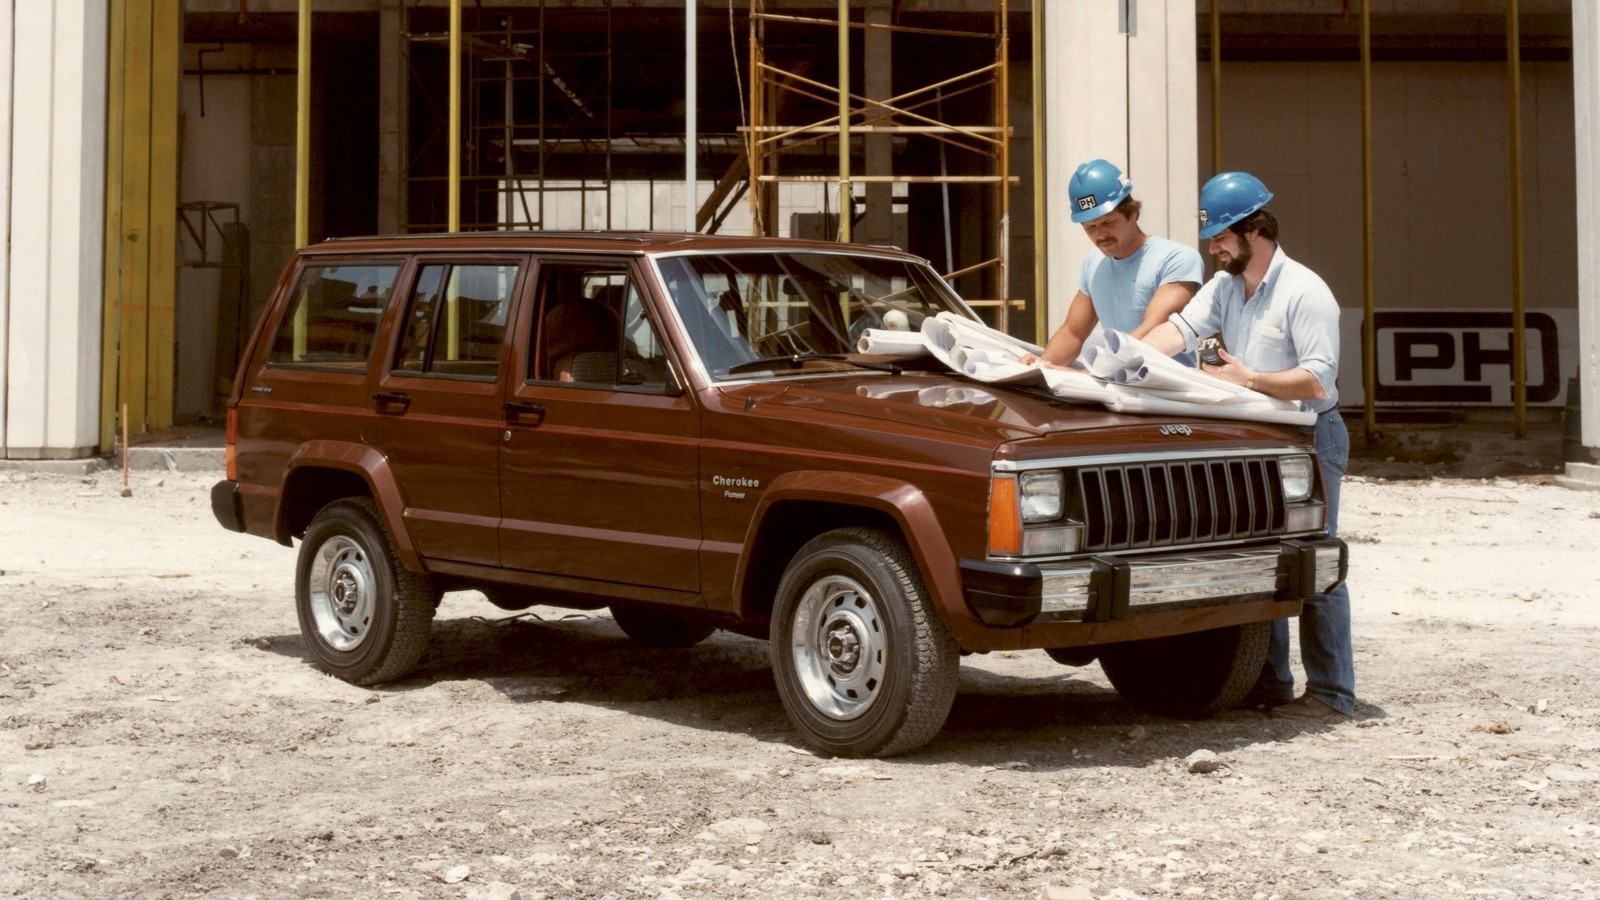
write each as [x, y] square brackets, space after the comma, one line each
[662, 627]
[365, 618]
[863, 665]
[1189, 676]
[1073, 656]
[510, 599]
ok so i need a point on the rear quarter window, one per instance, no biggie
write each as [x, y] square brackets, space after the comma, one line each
[333, 314]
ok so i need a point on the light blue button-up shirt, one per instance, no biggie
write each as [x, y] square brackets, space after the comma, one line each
[1292, 321]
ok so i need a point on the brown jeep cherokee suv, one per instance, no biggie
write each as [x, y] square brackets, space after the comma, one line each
[680, 428]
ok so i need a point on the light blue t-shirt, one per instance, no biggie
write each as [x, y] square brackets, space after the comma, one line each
[1121, 288]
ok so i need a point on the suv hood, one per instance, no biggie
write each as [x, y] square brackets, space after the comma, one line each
[956, 405]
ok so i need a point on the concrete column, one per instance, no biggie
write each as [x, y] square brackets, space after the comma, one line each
[877, 225]
[1120, 86]
[56, 192]
[1586, 127]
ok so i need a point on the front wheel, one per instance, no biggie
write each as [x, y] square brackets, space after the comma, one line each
[863, 665]
[365, 618]
[1189, 676]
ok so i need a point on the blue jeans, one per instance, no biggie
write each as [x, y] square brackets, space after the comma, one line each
[1325, 647]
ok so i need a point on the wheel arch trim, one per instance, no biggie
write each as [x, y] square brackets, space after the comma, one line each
[371, 466]
[901, 501]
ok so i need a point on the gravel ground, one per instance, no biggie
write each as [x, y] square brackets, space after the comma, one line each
[162, 734]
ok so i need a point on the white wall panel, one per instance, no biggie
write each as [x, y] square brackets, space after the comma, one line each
[6, 81]
[1586, 108]
[55, 202]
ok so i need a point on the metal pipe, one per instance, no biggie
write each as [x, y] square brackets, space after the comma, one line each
[302, 131]
[1369, 340]
[691, 115]
[1041, 291]
[1519, 365]
[1216, 85]
[1003, 238]
[757, 115]
[453, 190]
[845, 206]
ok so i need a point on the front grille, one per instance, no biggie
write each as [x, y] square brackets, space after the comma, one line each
[1173, 503]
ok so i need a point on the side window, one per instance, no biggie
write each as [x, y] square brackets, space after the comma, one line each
[646, 361]
[333, 315]
[593, 330]
[456, 319]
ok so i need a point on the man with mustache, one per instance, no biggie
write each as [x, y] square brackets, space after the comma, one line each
[1136, 280]
[1281, 323]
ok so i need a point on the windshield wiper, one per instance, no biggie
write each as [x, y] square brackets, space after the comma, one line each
[796, 360]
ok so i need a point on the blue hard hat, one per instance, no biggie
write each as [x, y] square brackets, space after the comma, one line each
[1096, 188]
[1227, 198]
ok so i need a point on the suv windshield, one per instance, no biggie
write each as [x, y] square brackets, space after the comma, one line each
[739, 308]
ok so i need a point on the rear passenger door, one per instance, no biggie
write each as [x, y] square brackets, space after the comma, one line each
[438, 403]
[312, 381]
[598, 467]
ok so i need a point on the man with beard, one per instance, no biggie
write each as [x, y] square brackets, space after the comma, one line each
[1135, 281]
[1281, 324]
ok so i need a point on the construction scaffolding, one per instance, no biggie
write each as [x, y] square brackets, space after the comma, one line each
[526, 101]
[783, 123]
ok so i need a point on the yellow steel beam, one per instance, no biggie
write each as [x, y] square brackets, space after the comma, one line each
[134, 278]
[110, 320]
[166, 27]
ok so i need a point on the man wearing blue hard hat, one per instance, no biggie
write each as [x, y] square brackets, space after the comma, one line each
[1135, 280]
[1280, 327]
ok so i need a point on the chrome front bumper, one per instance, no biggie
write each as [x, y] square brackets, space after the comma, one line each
[1104, 588]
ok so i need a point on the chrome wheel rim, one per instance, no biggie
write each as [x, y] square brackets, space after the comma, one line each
[342, 586]
[840, 647]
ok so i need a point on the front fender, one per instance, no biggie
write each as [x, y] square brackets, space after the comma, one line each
[902, 502]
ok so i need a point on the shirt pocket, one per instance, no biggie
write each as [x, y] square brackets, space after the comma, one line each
[1274, 351]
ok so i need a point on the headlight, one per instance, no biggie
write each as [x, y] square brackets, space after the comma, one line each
[1041, 496]
[1296, 472]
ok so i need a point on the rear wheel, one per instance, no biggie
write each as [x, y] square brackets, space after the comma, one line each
[365, 618]
[659, 626]
[1188, 676]
[863, 665]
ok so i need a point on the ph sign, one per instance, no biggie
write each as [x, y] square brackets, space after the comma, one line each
[1450, 357]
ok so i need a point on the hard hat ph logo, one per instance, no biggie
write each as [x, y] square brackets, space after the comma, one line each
[1086, 202]
[1203, 217]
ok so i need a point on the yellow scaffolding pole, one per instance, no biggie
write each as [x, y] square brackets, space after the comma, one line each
[1369, 303]
[302, 131]
[1040, 221]
[1519, 365]
[453, 215]
[845, 205]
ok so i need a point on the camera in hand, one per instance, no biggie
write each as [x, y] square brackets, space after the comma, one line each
[1207, 350]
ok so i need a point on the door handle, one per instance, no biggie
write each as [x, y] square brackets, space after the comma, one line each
[518, 408]
[392, 398]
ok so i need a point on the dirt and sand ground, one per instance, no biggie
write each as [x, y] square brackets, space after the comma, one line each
[162, 734]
